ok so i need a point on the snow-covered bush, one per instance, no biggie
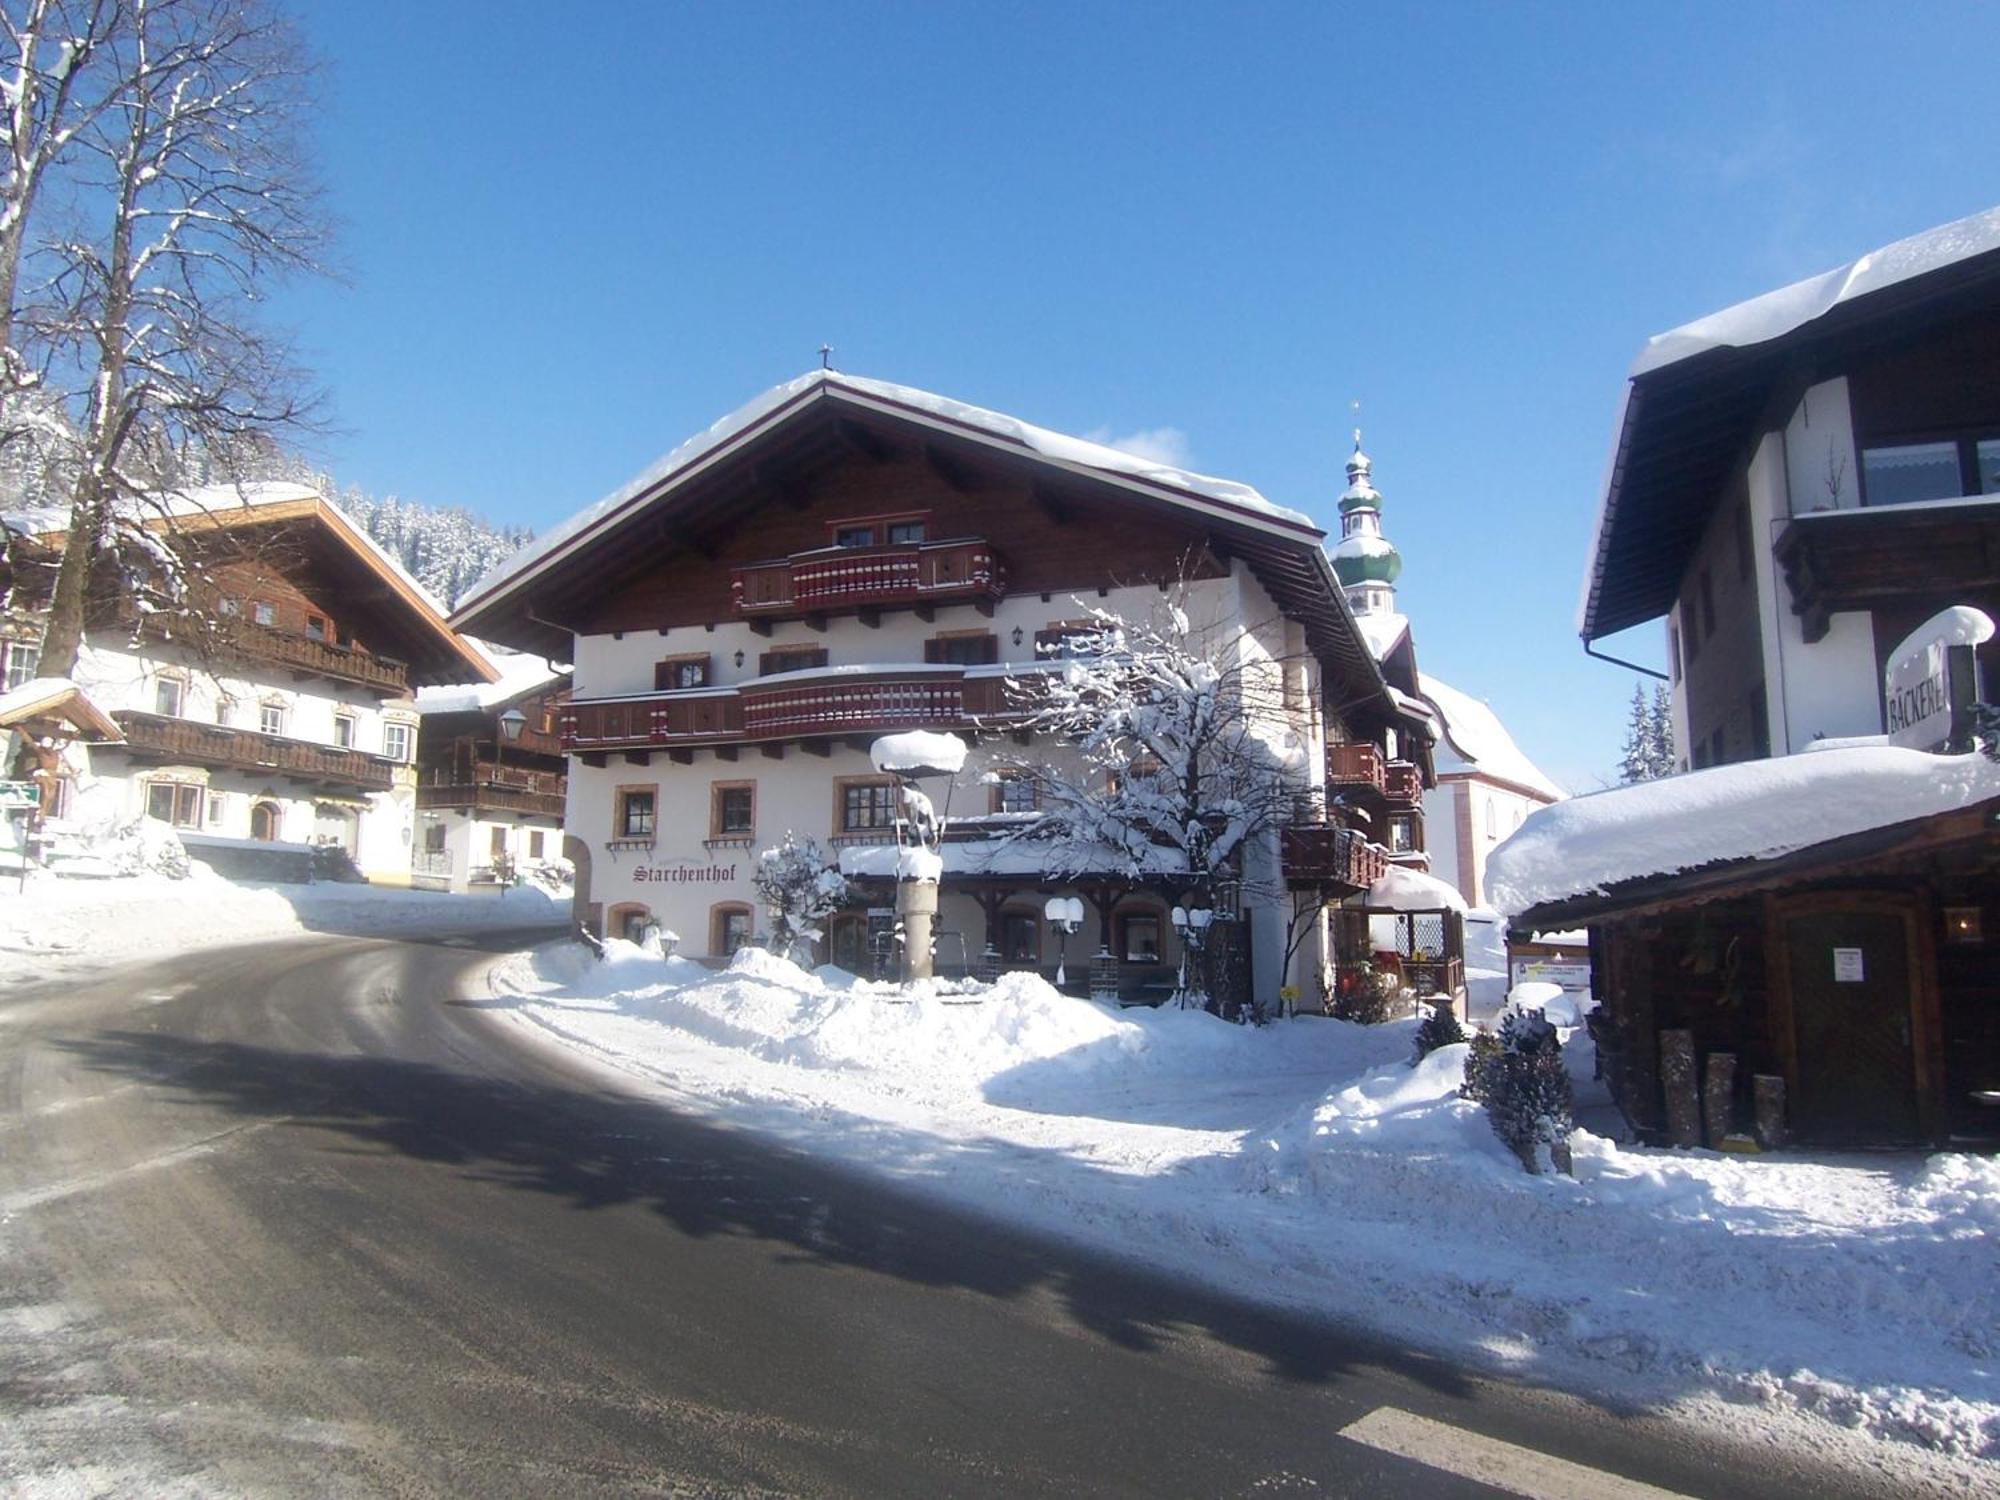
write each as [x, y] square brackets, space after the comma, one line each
[1516, 1075]
[799, 890]
[1439, 1028]
[1374, 997]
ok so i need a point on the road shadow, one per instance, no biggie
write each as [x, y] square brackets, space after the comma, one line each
[595, 1152]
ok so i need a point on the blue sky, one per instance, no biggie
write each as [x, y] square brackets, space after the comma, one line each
[569, 243]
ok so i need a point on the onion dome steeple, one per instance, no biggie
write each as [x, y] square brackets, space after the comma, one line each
[1364, 560]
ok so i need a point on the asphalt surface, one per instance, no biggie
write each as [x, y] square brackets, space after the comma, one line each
[296, 1219]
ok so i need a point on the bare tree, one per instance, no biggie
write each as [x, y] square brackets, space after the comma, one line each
[198, 180]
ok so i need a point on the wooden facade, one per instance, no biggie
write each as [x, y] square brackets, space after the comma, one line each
[1864, 972]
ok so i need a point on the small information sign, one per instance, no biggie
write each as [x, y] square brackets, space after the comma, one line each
[1847, 966]
[19, 794]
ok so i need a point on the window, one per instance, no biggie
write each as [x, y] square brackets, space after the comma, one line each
[1986, 459]
[1492, 821]
[628, 922]
[496, 842]
[867, 805]
[1020, 937]
[728, 929]
[732, 809]
[1139, 938]
[1402, 833]
[854, 536]
[535, 845]
[215, 808]
[266, 819]
[635, 812]
[904, 532]
[396, 741]
[680, 672]
[1015, 794]
[173, 803]
[963, 648]
[316, 627]
[229, 605]
[343, 731]
[790, 659]
[20, 662]
[263, 613]
[271, 718]
[1909, 472]
[434, 838]
[169, 697]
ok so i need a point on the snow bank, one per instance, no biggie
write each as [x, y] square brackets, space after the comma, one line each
[59, 926]
[1336, 1177]
[1755, 810]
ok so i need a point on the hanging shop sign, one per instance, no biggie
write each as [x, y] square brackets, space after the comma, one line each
[1932, 682]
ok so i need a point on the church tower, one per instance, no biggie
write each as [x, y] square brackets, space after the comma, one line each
[1364, 560]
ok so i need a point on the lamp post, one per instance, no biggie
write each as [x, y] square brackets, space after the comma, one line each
[1065, 914]
[1191, 926]
[512, 722]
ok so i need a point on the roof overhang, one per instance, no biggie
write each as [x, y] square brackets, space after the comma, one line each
[1685, 427]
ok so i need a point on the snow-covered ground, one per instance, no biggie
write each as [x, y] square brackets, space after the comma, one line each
[1848, 1305]
[64, 926]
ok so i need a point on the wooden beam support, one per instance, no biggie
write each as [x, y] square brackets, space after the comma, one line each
[725, 752]
[681, 757]
[859, 439]
[774, 751]
[760, 627]
[1052, 505]
[638, 757]
[816, 747]
[816, 621]
[597, 760]
[926, 612]
[947, 468]
[870, 616]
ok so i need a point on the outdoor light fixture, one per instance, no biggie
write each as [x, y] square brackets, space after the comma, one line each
[512, 723]
[739, 658]
[1017, 635]
[1065, 914]
[1962, 924]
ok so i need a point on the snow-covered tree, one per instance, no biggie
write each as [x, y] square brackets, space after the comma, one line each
[799, 890]
[1517, 1076]
[1663, 730]
[1170, 752]
[184, 198]
[1635, 762]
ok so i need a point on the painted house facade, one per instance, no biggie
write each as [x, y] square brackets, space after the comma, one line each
[844, 558]
[1801, 480]
[276, 717]
[491, 778]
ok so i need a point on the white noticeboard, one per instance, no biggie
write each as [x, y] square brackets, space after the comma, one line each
[1847, 966]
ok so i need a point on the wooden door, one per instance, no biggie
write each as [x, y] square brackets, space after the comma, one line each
[1853, 972]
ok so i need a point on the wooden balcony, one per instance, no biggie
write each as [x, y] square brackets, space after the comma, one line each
[491, 788]
[1893, 559]
[1355, 765]
[1324, 855]
[320, 658]
[1402, 783]
[158, 737]
[830, 706]
[836, 580]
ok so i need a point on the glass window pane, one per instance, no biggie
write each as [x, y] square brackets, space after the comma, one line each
[1989, 467]
[1913, 471]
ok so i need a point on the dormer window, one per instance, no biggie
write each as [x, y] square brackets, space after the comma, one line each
[854, 536]
[903, 533]
[680, 672]
[316, 628]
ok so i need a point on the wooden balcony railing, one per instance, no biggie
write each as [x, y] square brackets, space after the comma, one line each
[829, 580]
[496, 795]
[1324, 854]
[1354, 765]
[1402, 782]
[323, 658]
[837, 704]
[161, 737]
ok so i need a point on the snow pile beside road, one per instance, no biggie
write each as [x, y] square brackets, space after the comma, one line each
[1308, 1163]
[57, 926]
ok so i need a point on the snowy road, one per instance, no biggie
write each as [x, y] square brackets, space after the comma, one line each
[293, 1219]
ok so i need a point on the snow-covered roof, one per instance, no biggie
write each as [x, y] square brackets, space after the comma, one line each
[1758, 809]
[1381, 632]
[1775, 314]
[1475, 742]
[1403, 889]
[41, 697]
[1058, 447]
[918, 750]
[519, 673]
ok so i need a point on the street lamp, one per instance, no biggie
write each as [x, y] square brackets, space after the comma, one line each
[1065, 914]
[512, 723]
[1191, 926]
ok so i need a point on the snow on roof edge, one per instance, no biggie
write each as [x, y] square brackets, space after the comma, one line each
[1055, 446]
[1484, 747]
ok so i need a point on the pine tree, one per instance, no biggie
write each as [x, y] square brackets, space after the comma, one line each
[1662, 731]
[1636, 761]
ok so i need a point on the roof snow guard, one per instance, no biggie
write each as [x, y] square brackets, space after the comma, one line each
[1282, 545]
[1697, 396]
